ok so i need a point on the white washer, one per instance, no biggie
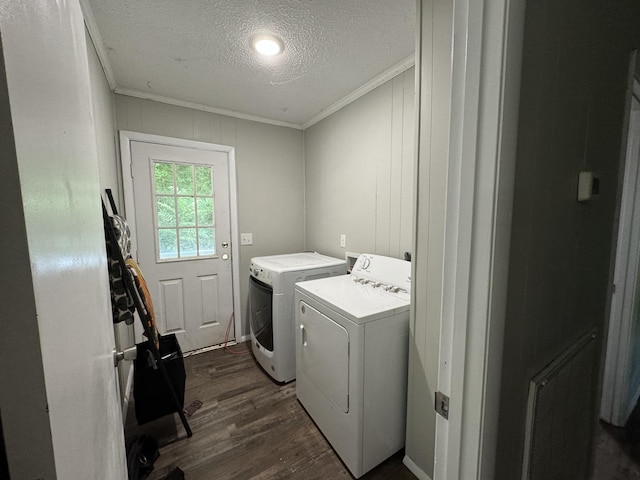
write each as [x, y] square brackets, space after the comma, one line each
[271, 317]
[352, 343]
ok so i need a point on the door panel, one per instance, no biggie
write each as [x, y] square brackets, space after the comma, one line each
[324, 355]
[183, 237]
[172, 306]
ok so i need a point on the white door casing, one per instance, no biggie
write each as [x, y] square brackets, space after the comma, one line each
[620, 384]
[194, 293]
[478, 172]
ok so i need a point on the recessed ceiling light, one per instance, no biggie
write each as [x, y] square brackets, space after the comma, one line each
[266, 44]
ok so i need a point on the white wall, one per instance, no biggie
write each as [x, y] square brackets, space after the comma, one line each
[269, 172]
[359, 174]
[21, 370]
[55, 149]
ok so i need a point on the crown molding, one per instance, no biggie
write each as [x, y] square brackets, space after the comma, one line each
[385, 76]
[98, 44]
[101, 51]
[205, 108]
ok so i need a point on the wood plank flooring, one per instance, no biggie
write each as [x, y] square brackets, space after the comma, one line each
[248, 427]
[615, 457]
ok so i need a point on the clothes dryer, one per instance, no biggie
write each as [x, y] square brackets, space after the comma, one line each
[271, 316]
[352, 343]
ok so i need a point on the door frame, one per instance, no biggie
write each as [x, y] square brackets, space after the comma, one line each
[479, 173]
[616, 355]
[126, 137]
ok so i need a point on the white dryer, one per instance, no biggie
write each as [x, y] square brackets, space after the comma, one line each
[271, 316]
[352, 343]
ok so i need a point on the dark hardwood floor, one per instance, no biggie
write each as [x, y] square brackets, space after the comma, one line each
[615, 457]
[248, 427]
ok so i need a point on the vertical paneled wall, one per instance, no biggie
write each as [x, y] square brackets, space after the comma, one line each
[434, 53]
[359, 174]
[269, 171]
[574, 77]
[105, 125]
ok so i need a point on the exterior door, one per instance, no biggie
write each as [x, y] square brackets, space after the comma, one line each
[182, 230]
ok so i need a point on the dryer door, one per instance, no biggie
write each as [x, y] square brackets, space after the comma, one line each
[324, 354]
[261, 312]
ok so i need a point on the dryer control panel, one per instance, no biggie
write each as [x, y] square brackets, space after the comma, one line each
[389, 274]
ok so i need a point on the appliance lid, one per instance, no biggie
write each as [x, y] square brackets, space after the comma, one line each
[295, 261]
[358, 302]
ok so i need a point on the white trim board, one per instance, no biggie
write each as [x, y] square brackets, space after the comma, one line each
[205, 108]
[485, 91]
[372, 84]
[94, 33]
[128, 390]
[384, 77]
[415, 469]
[616, 406]
[126, 137]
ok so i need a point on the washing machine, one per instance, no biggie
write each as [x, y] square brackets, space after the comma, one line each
[352, 344]
[271, 316]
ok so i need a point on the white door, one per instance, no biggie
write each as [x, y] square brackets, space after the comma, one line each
[621, 386]
[182, 230]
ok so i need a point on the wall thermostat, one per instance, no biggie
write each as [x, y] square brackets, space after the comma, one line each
[588, 186]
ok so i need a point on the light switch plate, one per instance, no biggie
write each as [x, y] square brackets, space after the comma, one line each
[246, 239]
[343, 241]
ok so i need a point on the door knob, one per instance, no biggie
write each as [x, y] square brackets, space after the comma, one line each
[225, 256]
[130, 353]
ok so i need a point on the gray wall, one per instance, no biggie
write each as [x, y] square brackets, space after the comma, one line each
[269, 172]
[575, 64]
[359, 174]
[104, 117]
[436, 20]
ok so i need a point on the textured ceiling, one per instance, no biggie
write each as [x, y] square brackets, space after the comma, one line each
[198, 50]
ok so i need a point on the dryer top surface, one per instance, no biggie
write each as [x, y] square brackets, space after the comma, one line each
[357, 302]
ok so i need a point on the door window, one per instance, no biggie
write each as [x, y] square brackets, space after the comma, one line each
[183, 203]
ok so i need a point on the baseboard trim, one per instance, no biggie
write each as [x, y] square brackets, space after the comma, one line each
[126, 398]
[230, 343]
[417, 471]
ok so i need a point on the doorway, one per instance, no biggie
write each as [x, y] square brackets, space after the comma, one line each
[180, 202]
[621, 384]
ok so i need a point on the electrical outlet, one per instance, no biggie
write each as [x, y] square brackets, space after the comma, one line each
[246, 239]
[343, 240]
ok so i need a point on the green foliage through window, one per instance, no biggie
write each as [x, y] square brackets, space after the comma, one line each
[184, 210]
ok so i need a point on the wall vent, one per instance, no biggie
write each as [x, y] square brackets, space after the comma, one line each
[559, 423]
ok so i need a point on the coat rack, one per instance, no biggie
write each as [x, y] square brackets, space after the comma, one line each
[140, 308]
